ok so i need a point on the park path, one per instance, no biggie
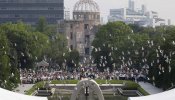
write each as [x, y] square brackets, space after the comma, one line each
[22, 88]
[150, 88]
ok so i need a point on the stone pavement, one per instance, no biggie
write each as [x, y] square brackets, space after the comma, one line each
[23, 87]
[150, 88]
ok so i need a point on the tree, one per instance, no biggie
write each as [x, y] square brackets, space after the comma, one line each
[57, 49]
[41, 25]
[136, 28]
[72, 59]
[21, 47]
[4, 60]
[9, 76]
[107, 43]
[26, 45]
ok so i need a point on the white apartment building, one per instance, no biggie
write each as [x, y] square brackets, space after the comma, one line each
[141, 17]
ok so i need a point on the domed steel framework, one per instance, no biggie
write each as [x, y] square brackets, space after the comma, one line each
[86, 6]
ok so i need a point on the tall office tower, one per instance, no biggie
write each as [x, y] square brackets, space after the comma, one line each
[67, 14]
[144, 9]
[29, 11]
[169, 22]
[131, 5]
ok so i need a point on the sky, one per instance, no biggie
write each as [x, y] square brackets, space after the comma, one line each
[165, 8]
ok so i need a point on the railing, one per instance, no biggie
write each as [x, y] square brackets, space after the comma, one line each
[120, 91]
[34, 93]
[139, 94]
[129, 92]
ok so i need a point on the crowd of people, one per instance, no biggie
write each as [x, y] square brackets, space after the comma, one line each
[43, 74]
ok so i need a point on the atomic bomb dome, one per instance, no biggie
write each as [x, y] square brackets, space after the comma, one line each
[81, 30]
[87, 10]
[86, 6]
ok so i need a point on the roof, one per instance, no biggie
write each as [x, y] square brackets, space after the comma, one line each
[86, 6]
[43, 63]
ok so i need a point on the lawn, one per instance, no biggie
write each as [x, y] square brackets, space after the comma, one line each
[35, 87]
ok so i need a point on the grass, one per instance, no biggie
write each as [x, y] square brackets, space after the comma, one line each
[128, 83]
[64, 81]
[109, 81]
[35, 87]
[142, 91]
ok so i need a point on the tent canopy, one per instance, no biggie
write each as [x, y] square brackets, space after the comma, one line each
[167, 95]
[9, 95]
[43, 63]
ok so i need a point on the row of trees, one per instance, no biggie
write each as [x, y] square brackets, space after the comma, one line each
[118, 45]
[21, 46]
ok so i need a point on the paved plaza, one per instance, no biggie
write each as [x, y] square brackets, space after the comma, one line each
[22, 88]
[150, 88]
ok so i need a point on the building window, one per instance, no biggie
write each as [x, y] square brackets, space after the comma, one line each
[71, 26]
[71, 35]
[17, 16]
[86, 51]
[98, 16]
[86, 17]
[57, 15]
[71, 47]
[3, 8]
[50, 8]
[75, 17]
[87, 38]
[86, 26]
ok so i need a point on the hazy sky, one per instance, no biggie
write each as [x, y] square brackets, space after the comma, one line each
[165, 8]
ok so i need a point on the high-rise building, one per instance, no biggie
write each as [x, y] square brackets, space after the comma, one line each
[143, 9]
[67, 14]
[141, 17]
[169, 22]
[131, 5]
[29, 11]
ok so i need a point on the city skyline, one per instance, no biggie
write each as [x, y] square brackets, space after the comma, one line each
[152, 5]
